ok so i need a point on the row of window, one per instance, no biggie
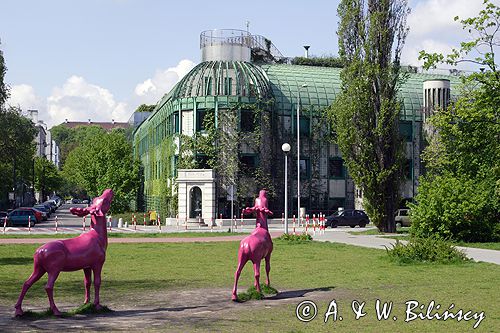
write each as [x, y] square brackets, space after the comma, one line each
[249, 163]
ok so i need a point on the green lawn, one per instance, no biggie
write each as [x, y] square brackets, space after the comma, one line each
[353, 273]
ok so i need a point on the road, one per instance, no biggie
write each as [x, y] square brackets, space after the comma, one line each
[64, 218]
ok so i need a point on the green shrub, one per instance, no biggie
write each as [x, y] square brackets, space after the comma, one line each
[296, 238]
[461, 209]
[430, 249]
[252, 293]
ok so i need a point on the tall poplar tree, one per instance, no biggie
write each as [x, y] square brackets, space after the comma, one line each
[365, 115]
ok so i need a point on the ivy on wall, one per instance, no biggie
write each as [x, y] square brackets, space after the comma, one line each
[220, 144]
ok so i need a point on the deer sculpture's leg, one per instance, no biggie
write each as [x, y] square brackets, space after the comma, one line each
[268, 269]
[256, 270]
[88, 283]
[241, 263]
[49, 288]
[38, 272]
[97, 285]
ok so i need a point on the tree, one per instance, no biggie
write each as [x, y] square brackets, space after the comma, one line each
[365, 115]
[16, 151]
[70, 138]
[47, 177]
[463, 155]
[4, 89]
[145, 108]
[105, 161]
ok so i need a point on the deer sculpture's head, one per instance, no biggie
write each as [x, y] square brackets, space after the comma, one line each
[101, 204]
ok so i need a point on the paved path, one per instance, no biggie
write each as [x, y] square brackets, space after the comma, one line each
[377, 242]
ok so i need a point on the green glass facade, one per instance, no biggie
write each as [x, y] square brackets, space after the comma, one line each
[233, 86]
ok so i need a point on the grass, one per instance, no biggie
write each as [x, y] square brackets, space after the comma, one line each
[130, 235]
[353, 273]
[487, 246]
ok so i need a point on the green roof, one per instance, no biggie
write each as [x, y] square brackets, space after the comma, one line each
[323, 83]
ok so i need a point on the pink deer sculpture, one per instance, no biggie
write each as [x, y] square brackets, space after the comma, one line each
[257, 246]
[87, 252]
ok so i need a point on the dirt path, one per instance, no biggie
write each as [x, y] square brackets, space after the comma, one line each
[173, 311]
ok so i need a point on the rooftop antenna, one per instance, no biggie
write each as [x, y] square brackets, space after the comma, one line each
[247, 23]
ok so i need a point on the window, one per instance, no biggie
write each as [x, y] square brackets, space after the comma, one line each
[247, 123]
[305, 126]
[202, 161]
[200, 117]
[175, 122]
[228, 86]
[248, 164]
[406, 131]
[336, 168]
[305, 168]
[207, 87]
[408, 169]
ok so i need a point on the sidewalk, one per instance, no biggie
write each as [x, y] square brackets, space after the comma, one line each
[373, 241]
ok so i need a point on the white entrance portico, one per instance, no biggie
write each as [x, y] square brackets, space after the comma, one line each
[196, 195]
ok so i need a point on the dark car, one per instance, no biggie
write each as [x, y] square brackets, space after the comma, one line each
[21, 217]
[44, 209]
[3, 215]
[47, 206]
[348, 217]
[52, 205]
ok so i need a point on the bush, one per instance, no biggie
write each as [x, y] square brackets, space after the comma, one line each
[460, 209]
[296, 238]
[253, 294]
[431, 249]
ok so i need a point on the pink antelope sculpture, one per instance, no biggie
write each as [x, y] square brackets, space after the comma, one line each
[257, 246]
[87, 252]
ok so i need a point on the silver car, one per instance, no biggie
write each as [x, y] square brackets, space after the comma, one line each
[402, 217]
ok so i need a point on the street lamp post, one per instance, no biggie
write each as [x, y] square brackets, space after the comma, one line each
[286, 149]
[298, 151]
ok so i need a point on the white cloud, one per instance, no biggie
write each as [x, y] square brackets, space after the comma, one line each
[78, 100]
[433, 28]
[152, 89]
[24, 96]
[436, 17]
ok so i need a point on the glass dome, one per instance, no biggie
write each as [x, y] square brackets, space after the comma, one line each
[224, 78]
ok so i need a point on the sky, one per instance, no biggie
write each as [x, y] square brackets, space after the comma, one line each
[101, 59]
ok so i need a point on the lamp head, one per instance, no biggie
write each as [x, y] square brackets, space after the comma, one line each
[285, 147]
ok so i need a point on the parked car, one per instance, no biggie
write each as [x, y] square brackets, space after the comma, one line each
[402, 217]
[348, 217]
[76, 201]
[3, 215]
[52, 205]
[21, 217]
[38, 214]
[85, 201]
[57, 199]
[69, 201]
[44, 209]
